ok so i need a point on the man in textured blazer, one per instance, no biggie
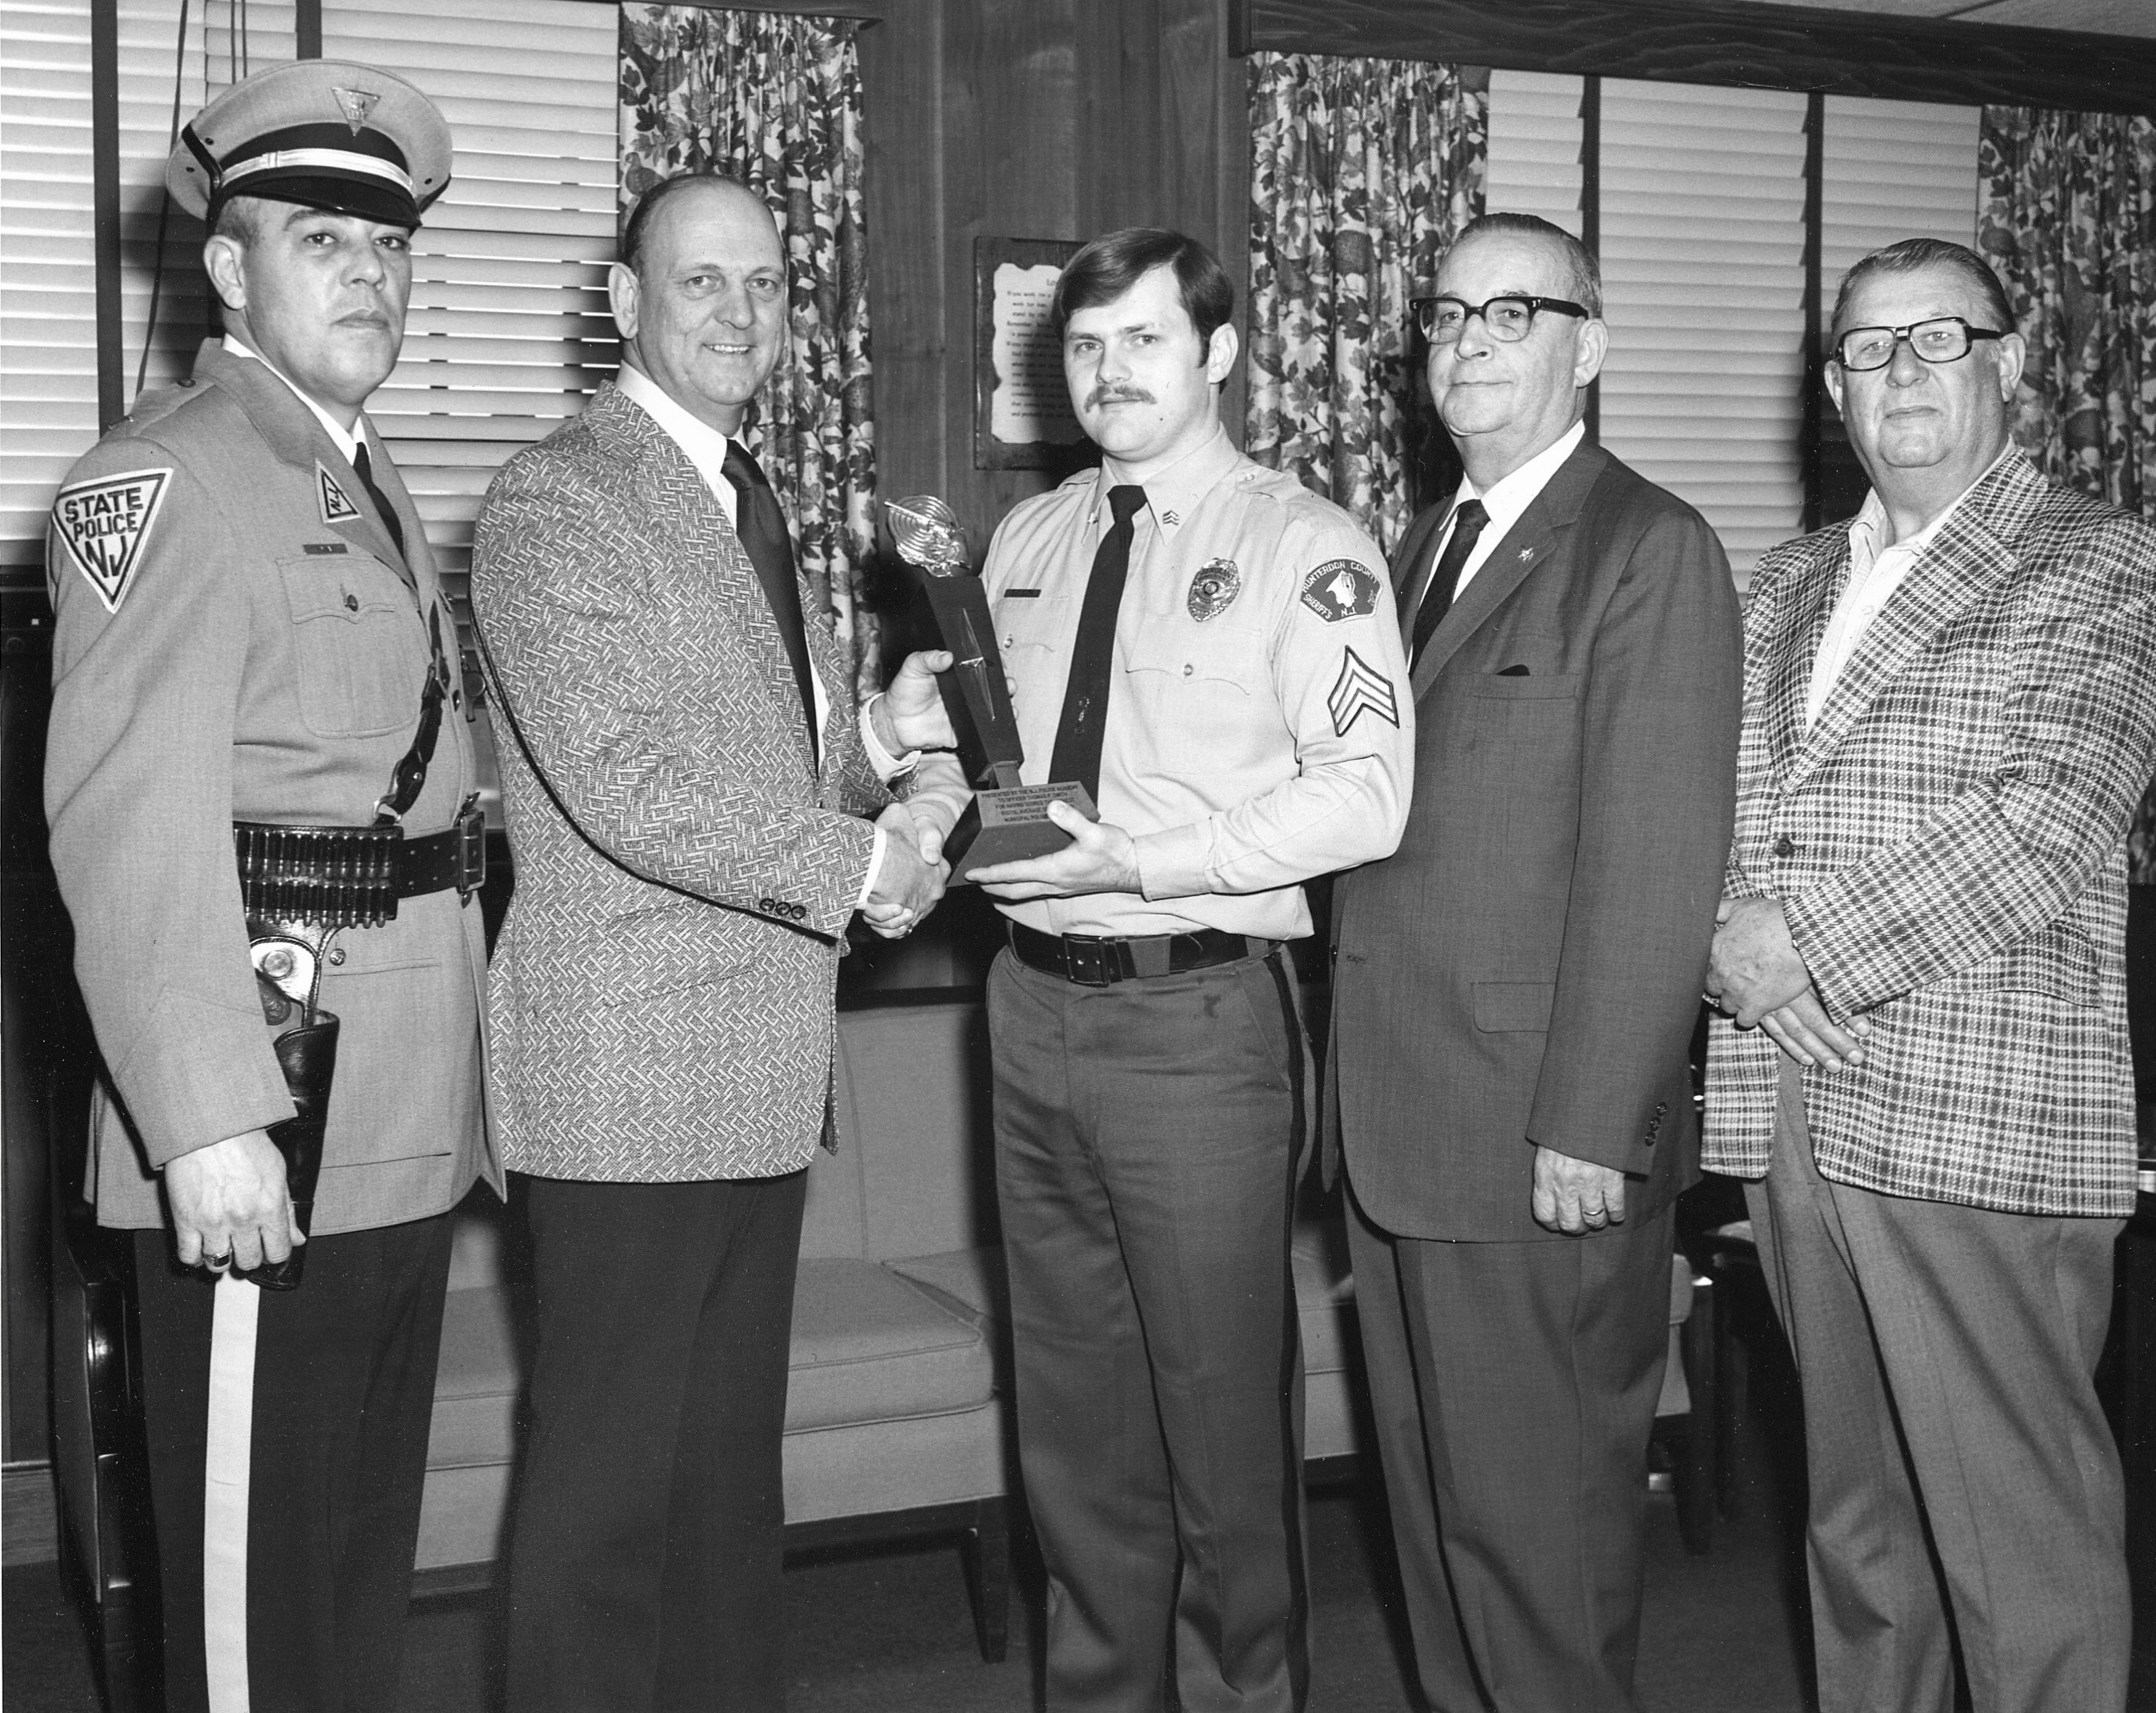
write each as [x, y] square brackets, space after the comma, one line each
[249, 630]
[1515, 988]
[686, 786]
[1950, 712]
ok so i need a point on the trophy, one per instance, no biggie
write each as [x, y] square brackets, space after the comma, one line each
[1006, 821]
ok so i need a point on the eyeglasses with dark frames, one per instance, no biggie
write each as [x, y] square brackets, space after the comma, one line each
[1509, 318]
[1943, 338]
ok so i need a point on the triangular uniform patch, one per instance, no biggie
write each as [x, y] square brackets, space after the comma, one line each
[336, 504]
[105, 525]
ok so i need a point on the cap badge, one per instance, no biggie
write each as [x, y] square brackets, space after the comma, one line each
[1214, 590]
[357, 104]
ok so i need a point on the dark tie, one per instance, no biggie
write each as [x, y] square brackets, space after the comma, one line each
[1467, 521]
[365, 466]
[762, 527]
[1093, 652]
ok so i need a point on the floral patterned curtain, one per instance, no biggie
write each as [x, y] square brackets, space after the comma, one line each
[2068, 219]
[1362, 171]
[775, 101]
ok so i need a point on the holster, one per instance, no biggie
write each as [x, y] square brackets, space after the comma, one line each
[307, 1055]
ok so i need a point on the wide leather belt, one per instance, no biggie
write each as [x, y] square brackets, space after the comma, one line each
[1101, 960]
[351, 877]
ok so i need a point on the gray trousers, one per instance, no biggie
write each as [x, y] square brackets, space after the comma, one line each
[1946, 1354]
[1146, 1159]
[1513, 1385]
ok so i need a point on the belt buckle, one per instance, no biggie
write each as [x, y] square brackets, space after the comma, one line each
[471, 847]
[1091, 962]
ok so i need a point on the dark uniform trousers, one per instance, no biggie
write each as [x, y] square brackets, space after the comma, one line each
[343, 1395]
[1947, 1355]
[649, 1530]
[1146, 1159]
[1513, 1386]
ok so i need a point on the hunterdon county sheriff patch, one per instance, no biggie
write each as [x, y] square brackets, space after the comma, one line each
[104, 524]
[1361, 688]
[336, 505]
[1340, 588]
[1214, 590]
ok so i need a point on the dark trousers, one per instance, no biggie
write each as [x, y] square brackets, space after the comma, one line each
[343, 1391]
[1513, 1385]
[1146, 1159]
[649, 1524]
[1946, 1354]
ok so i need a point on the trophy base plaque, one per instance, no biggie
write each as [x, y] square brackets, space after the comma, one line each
[1009, 825]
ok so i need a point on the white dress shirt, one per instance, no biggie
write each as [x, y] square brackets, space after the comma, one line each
[1875, 573]
[1506, 500]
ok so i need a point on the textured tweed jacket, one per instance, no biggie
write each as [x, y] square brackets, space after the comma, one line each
[1949, 842]
[661, 998]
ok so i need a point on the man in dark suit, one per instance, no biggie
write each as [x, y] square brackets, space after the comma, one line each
[1515, 990]
[687, 811]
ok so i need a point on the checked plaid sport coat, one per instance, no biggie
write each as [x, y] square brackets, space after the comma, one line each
[1948, 841]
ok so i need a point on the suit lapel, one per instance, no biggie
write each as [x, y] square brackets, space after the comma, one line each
[1965, 558]
[1530, 542]
[1810, 589]
[711, 557]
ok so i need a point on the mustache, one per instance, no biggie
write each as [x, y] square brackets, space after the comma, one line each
[1118, 395]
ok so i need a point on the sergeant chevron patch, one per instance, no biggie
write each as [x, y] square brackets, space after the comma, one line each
[1360, 689]
[336, 505]
[104, 524]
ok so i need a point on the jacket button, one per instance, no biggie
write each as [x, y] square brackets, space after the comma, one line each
[352, 603]
[1785, 846]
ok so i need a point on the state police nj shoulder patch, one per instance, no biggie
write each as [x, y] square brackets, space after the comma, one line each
[1340, 588]
[1361, 688]
[105, 522]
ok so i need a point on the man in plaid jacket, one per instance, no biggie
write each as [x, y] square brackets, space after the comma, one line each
[1950, 711]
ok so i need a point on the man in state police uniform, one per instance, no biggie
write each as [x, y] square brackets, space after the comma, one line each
[1211, 651]
[251, 638]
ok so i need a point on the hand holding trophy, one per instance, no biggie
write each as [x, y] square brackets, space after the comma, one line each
[1006, 822]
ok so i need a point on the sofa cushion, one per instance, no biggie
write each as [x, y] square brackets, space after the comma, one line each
[973, 1283]
[1324, 1293]
[871, 1347]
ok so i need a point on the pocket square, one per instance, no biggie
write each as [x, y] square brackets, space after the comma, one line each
[1512, 672]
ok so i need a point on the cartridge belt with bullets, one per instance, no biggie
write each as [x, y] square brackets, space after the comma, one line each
[352, 877]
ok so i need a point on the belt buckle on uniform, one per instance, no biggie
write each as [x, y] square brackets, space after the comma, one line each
[471, 847]
[1091, 961]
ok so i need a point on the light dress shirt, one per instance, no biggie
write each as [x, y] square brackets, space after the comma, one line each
[1507, 498]
[1259, 730]
[1875, 573]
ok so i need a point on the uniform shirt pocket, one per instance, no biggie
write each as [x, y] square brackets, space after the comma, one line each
[360, 651]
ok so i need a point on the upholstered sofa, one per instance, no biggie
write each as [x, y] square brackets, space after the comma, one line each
[898, 1415]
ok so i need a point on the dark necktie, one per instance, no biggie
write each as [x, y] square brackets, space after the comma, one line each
[365, 466]
[1467, 523]
[1093, 652]
[762, 527]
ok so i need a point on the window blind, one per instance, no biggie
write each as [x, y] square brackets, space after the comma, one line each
[1533, 165]
[1702, 266]
[508, 329]
[48, 263]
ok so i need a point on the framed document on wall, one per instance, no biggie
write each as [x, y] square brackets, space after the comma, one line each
[1022, 417]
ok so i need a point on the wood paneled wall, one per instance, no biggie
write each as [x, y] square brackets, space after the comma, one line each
[1046, 119]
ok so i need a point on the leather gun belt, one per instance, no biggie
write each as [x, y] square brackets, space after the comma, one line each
[352, 877]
